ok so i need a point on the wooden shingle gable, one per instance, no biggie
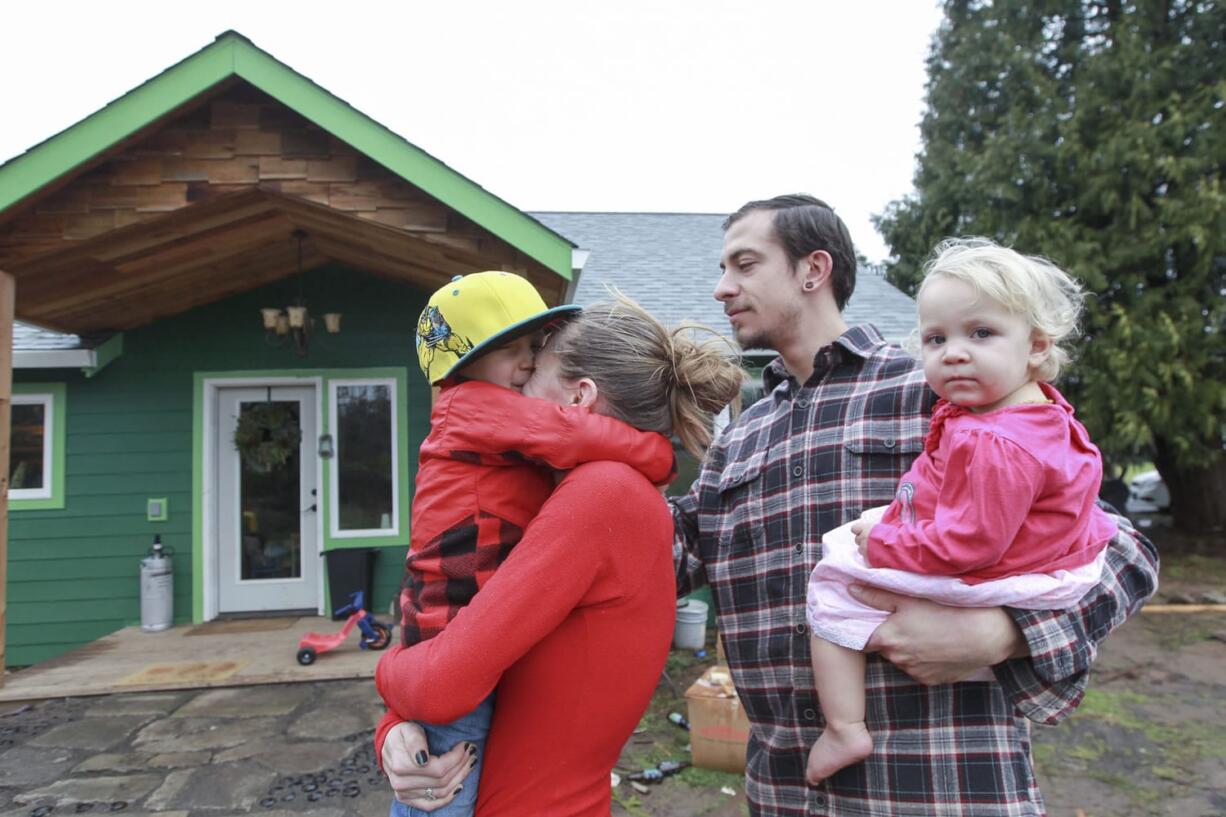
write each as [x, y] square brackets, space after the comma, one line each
[200, 204]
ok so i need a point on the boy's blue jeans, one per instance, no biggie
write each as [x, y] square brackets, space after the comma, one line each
[473, 728]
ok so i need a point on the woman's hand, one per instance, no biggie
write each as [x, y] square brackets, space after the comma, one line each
[936, 644]
[417, 779]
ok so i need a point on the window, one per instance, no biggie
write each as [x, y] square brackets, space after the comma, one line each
[36, 447]
[364, 471]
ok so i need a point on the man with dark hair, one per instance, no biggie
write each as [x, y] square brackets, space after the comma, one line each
[804, 223]
[843, 417]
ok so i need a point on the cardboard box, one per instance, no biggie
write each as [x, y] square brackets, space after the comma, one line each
[719, 730]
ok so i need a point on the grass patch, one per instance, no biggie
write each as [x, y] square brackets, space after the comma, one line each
[710, 778]
[1194, 567]
[1178, 746]
[1112, 707]
[631, 803]
[1089, 750]
[1189, 629]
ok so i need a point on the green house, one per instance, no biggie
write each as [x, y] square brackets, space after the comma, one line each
[167, 242]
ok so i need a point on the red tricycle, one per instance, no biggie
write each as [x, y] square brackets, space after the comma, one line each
[375, 635]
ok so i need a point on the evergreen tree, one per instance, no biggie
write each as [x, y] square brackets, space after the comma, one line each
[1092, 132]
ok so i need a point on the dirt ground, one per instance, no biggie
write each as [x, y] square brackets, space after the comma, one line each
[1149, 739]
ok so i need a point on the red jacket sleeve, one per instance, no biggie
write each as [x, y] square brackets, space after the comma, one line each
[553, 568]
[988, 489]
[486, 419]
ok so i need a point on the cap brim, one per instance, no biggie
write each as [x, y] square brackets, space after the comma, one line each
[513, 331]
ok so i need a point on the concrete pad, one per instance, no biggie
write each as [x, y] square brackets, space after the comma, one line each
[152, 703]
[90, 734]
[102, 808]
[180, 760]
[291, 759]
[198, 734]
[27, 766]
[142, 761]
[246, 703]
[116, 762]
[232, 788]
[128, 788]
[170, 789]
[334, 722]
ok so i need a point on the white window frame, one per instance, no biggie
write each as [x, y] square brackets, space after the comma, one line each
[47, 400]
[334, 496]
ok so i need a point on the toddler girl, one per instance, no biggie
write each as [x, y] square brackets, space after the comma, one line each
[999, 509]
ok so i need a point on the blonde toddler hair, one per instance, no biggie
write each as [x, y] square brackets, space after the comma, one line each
[1045, 296]
[652, 377]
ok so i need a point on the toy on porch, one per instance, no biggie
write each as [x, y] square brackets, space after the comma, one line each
[375, 635]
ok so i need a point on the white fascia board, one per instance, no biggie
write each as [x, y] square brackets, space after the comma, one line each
[578, 258]
[54, 358]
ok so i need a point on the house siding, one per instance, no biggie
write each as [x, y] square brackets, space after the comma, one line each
[73, 574]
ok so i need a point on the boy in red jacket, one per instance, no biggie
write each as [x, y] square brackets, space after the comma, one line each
[488, 465]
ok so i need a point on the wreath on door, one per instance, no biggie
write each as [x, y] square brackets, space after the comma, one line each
[267, 435]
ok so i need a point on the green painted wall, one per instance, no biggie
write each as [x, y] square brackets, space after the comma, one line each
[74, 573]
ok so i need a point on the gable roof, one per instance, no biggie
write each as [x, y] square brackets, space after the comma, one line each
[231, 55]
[669, 263]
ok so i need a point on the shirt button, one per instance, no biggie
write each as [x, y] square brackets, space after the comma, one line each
[819, 799]
[801, 629]
[799, 548]
[798, 471]
[810, 714]
[888, 442]
[803, 403]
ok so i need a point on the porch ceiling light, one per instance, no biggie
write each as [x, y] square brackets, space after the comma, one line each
[294, 322]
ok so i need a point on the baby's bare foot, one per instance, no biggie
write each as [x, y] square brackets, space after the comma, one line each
[838, 747]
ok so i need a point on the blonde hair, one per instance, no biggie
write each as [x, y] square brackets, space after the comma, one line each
[652, 377]
[1045, 296]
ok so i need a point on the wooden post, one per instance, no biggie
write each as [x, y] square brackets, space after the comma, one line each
[8, 291]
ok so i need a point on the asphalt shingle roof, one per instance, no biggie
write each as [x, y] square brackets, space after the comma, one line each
[669, 263]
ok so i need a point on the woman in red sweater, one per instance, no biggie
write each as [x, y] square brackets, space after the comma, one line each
[574, 627]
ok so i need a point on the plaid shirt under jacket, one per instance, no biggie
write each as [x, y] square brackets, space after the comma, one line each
[802, 461]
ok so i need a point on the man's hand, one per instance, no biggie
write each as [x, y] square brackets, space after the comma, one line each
[417, 779]
[936, 644]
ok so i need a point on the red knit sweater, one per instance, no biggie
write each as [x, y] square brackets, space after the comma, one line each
[573, 628]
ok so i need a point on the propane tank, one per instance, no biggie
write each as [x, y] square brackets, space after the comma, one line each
[157, 589]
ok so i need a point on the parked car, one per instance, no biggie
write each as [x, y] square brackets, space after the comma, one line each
[1147, 493]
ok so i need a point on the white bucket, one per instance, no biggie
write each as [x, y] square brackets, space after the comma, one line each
[691, 629]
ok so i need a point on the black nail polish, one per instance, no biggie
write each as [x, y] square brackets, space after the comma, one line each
[472, 763]
[472, 749]
[421, 758]
[458, 789]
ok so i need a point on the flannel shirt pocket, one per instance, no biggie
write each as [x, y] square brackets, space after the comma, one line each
[877, 425]
[743, 493]
[879, 450]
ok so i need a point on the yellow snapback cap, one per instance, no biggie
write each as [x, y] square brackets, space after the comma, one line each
[474, 313]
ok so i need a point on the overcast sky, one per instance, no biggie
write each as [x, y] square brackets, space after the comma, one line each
[665, 106]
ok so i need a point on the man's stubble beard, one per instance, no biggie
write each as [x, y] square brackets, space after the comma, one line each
[768, 340]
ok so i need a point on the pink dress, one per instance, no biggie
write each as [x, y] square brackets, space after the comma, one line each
[999, 509]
